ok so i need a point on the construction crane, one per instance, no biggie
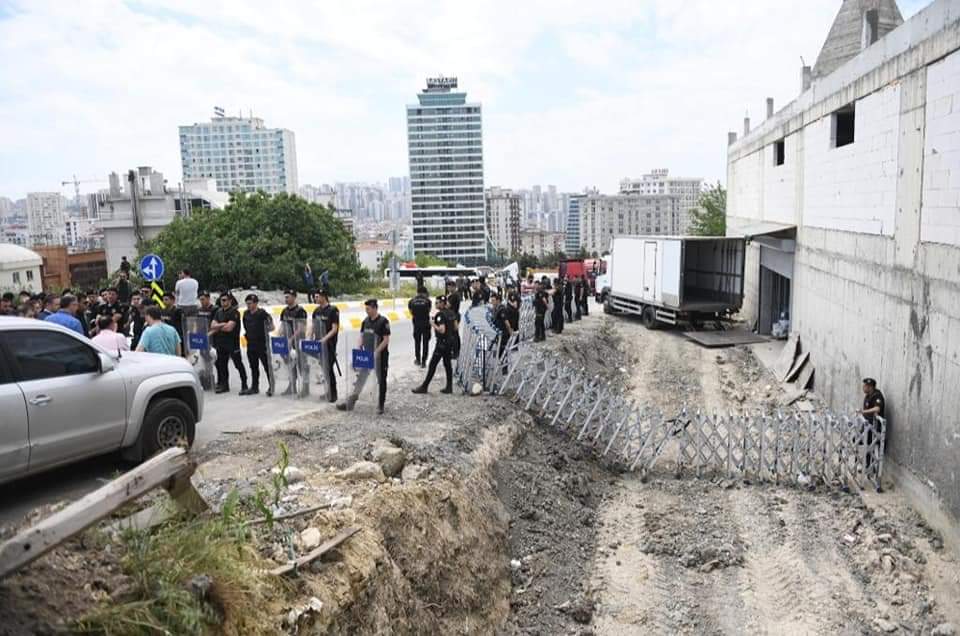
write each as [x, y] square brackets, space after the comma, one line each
[76, 185]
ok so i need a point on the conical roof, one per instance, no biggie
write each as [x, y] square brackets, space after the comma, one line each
[850, 32]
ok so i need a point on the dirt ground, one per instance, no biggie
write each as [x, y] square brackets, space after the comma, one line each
[498, 524]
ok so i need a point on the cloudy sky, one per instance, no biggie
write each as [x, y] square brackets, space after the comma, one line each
[574, 93]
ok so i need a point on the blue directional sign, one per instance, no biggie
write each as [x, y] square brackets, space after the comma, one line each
[310, 346]
[151, 266]
[362, 359]
[199, 341]
[279, 346]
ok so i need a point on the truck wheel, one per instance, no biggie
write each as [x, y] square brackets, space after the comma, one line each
[168, 423]
[649, 317]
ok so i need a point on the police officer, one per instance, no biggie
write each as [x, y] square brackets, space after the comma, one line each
[419, 307]
[453, 307]
[873, 408]
[539, 312]
[568, 298]
[443, 324]
[293, 318]
[329, 316]
[378, 326]
[502, 323]
[583, 300]
[476, 294]
[257, 323]
[557, 317]
[453, 297]
[173, 315]
[225, 334]
[577, 294]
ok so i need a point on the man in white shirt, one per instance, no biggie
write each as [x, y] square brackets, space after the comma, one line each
[108, 338]
[187, 290]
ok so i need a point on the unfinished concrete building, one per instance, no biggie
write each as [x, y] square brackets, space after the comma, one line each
[850, 196]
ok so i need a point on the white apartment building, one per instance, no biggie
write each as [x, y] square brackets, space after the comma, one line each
[445, 139]
[370, 254]
[46, 219]
[504, 208]
[850, 199]
[241, 154]
[604, 216]
[659, 181]
[541, 243]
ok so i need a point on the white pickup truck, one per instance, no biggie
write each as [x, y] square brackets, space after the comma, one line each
[63, 399]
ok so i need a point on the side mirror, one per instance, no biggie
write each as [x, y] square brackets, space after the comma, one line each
[107, 363]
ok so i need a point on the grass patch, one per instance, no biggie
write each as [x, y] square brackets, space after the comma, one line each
[242, 598]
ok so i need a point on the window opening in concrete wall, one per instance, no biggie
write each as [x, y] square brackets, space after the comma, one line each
[842, 126]
[779, 152]
[871, 27]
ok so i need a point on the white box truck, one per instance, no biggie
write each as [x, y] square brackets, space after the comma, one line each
[671, 279]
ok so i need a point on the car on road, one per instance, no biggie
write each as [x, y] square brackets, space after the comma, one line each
[63, 399]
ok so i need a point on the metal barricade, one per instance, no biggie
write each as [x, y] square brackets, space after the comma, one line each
[199, 352]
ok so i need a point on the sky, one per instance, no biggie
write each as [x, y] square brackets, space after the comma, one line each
[574, 93]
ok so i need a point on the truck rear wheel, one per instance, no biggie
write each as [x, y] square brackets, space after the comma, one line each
[168, 423]
[649, 317]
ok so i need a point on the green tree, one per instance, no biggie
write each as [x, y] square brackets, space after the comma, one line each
[259, 239]
[710, 218]
[429, 260]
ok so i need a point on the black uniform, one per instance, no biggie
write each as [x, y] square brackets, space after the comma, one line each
[584, 298]
[380, 327]
[419, 307]
[294, 321]
[442, 350]
[256, 324]
[124, 290]
[453, 306]
[540, 313]
[875, 398]
[137, 323]
[577, 299]
[110, 309]
[557, 322]
[568, 299]
[476, 297]
[173, 316]
[501, 319]
[330, 316]
[227, 344]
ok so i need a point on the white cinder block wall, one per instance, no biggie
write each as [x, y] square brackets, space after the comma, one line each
[876, 288]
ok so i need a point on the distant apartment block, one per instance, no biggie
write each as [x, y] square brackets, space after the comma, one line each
[445, 139]
[604, 216]
[686, 189]
[240, 153]
[541, 243]
[45, 218]
[504, 208]
[572, 244]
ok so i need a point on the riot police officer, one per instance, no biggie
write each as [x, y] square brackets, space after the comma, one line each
[329, 317]
[443, 327]
[419, 307]
[557, 316]
[540, 297]
[293, 320]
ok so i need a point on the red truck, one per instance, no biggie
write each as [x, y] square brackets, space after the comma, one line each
[577, 267]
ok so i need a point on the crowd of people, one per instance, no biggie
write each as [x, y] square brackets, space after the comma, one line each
[121, 318]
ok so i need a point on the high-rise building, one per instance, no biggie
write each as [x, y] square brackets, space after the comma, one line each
[572, 245]
[659, 181]
[445, 138]
[240, 153]
[541, 243]
[45, 218]
[603, 216]
[503, 220]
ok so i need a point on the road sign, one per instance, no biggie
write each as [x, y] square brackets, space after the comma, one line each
[151, 266]
[158, 293]
[362, 359]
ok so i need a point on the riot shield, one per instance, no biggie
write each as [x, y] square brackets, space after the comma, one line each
[364, 363]
[285, 353]
[316, 355]
[199, 352]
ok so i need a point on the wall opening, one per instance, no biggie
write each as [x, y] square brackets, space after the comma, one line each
[779, 152]
[871, 27]
[842, 126]
[774, 300]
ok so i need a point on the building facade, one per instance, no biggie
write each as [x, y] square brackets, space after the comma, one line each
[141, 206]
[19, 269]
[604, 216]
[46, 218]
[241, 154]
[445, 139]
[659, 181]
[850, 197]
[541, 243]
[572, 244]
[370, 254]
[504, 208]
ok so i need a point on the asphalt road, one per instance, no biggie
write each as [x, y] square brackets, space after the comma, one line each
[224, 413]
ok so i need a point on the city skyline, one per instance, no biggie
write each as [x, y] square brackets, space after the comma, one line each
[574, 95]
